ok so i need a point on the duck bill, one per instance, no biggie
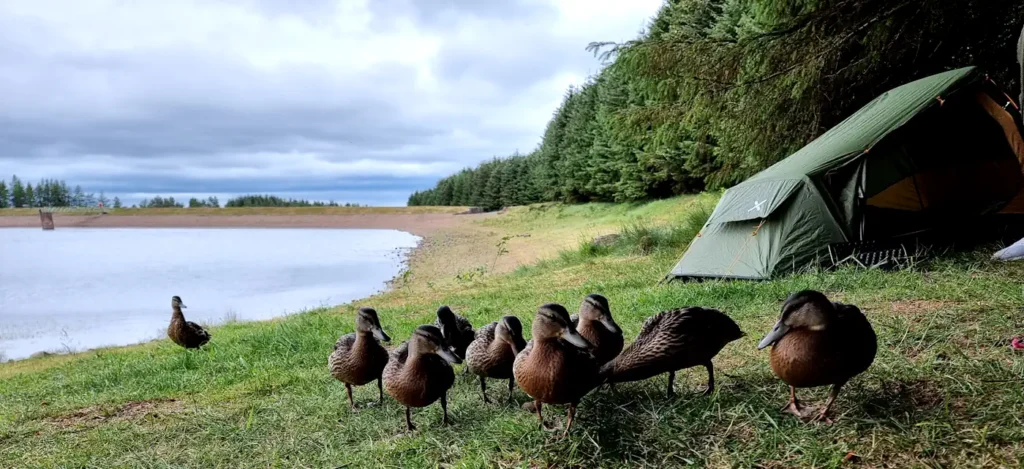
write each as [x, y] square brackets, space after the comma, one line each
[573, 337]
[449, 354]
[380, 335]
[776, 333]
[610, 324]
[182, 305]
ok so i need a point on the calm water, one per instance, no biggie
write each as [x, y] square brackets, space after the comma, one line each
[81, 288]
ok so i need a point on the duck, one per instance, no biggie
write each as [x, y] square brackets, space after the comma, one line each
[494, 350]
[419, 372]
[594, 322]
[185, 333]
[457, 330]
[359, 358]
[556, 366]
[818, 342]
[671, 341]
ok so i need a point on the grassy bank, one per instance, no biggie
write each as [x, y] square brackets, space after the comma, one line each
[945, 390]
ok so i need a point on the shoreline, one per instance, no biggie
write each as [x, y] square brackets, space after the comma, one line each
[424, 226]
[419, 224]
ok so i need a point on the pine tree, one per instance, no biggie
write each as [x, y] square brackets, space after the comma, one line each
[78, 198]
[102, 199]
[117, 202]
[5, 197]
[30, 195]
[17, 193]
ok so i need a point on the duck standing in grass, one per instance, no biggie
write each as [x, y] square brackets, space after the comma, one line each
[358, 358]
[594, 322]
[419, 372]
[494, 350]
[817, 342]
[456, 330]
[556, 366]
[185, 333]
[674, 340]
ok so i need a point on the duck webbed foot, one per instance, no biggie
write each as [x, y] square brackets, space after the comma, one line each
[794, 407]
[540, 416]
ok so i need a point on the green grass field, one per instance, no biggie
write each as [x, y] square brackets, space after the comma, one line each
[945, 389]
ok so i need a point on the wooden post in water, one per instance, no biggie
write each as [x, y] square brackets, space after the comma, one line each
[46, 218]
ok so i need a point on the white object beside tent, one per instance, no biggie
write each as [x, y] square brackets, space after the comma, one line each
[1012, 252]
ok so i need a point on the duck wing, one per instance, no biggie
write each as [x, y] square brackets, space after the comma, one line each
[197, 331]
[345, 342]
[465, 327]
[485, 334]
[672, 340]
[857, 337]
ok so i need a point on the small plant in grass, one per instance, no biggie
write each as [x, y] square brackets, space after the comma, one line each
[470, 275]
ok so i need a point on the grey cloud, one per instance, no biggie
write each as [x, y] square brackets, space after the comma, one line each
[185, 115]
[170, 183]
[445, 13]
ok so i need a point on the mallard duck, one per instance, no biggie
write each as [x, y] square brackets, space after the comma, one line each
[674, 340]
[556, 366]
[817, 342]
[594, 322]
[358, 358]
[185, 333]
[494, 350]
[457, 331]
[419, 372]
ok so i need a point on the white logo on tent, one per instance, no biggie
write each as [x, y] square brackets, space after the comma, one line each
[757, 205]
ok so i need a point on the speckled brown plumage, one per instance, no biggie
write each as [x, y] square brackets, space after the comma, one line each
[673, 340]
[493, 351]
[607, 341]
[456, 330]
[417, 375]
[823, 343]
[185, 333]
[358, 358]
[552, 369]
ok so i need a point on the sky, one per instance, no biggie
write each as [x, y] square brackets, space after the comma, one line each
[360, 101]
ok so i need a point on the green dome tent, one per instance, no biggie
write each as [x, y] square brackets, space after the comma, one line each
[932, 152]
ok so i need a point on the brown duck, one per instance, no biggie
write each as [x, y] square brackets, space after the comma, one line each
[419, 372]
[185, 333]
[457, 331]
[817, 342]
[594, 322]
[556, 367]
[674, 340]
[671, 341]
[358, 358]
[494, 350]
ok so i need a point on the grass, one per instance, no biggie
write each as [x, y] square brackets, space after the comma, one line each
[944, 391]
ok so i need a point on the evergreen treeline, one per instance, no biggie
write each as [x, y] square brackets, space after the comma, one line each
[716, 90]
[160, 202]
[47, 193]
[210, 201]
[275, 201]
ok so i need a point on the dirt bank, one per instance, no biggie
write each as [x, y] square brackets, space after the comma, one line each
[420, 224]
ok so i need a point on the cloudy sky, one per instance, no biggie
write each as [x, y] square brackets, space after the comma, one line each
[352, 100]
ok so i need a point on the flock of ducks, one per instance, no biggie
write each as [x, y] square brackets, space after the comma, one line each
[815, 342]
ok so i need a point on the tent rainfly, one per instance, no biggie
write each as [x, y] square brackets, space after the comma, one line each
[932, 152]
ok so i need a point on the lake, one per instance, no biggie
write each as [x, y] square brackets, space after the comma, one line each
[75, 289]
